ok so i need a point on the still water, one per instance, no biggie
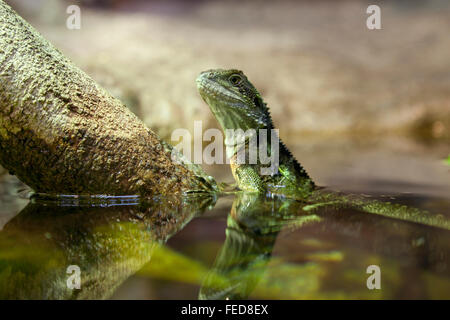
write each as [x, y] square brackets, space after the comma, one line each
[237, 246]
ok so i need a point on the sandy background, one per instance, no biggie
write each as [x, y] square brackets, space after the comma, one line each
[317, 65]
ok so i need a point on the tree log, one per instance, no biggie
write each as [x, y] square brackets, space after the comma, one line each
[60, 132]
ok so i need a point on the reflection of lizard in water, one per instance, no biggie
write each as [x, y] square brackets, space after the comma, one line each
[242, 268]
[252, 228]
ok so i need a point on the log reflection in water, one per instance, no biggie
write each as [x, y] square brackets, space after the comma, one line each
[108, 244]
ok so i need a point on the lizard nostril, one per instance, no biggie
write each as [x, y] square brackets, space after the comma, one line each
[208, 74]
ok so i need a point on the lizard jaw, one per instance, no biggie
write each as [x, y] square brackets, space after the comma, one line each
[210, 89]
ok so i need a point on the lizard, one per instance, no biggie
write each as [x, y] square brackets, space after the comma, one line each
[237, 105]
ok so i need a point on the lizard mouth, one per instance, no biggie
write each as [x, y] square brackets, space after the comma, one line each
[225, 104]
[211, 89]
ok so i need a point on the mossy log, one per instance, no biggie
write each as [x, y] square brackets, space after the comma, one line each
[60, 132]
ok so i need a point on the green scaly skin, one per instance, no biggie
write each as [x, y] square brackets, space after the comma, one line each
[237, 104]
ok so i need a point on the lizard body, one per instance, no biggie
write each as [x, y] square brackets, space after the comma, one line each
[237, 105]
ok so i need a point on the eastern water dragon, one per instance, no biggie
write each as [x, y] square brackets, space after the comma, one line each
[237, 105]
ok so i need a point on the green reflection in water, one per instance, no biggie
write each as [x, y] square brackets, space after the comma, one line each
[108, 243]
[252, 229]
[274, 249]
[324, 255]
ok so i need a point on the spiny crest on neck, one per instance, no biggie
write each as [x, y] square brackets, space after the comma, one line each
[296, 165]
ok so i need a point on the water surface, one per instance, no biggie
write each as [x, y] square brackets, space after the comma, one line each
[237, 246]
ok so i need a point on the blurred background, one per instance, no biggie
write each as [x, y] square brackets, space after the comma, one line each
[363, 110]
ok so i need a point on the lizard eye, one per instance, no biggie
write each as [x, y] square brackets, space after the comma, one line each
[235, 79]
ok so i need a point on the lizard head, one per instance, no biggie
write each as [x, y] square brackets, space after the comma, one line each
[233, 100]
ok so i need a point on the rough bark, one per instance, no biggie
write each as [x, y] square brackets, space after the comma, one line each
[60, 132]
